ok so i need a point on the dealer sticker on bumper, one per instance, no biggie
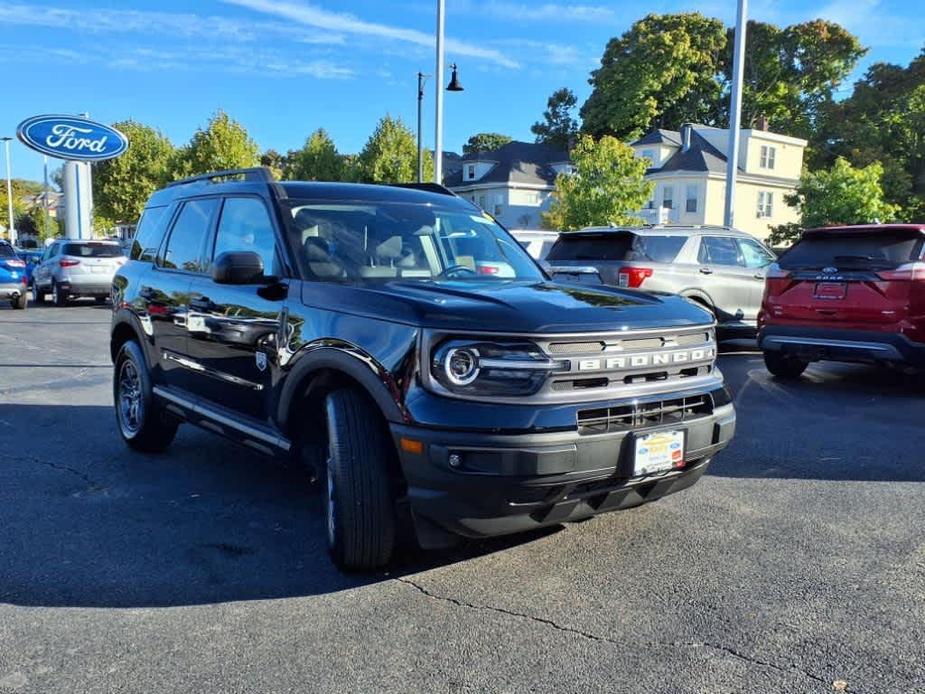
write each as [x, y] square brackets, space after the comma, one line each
[660, 451]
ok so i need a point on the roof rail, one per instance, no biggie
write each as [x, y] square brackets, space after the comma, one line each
[429, 187]
[256, 173]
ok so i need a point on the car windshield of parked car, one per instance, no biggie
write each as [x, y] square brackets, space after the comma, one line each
[609, 246]
[853, 250]
[6, 251]
[384, 241]
[93, 250]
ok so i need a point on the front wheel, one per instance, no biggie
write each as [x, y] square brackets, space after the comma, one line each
[783, 365]
[142, 423]
[359, 505]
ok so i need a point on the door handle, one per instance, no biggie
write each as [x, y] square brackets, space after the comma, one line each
[202, 303]
[759, 277]
[706, 271]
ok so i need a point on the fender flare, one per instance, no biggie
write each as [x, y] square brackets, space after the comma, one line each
[125, 318]
[346, 359]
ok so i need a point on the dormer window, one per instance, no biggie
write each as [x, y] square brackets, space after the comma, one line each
[768, 155]
[470, 171]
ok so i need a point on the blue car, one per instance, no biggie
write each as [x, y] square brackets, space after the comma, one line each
[13, 281]
[31, 258]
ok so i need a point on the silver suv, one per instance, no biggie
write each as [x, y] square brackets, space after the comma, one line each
[72, 268]
[721, 268]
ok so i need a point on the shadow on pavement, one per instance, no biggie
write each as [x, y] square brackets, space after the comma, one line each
[86, 523]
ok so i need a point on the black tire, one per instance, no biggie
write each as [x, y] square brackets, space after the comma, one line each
[21, 302]
[359, 507]
[59, 297]
[784, 366]
[142, 422]
[38, 296]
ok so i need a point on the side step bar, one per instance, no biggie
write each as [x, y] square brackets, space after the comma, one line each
[261, 438]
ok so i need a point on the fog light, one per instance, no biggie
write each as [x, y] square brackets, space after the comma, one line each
[455, 460]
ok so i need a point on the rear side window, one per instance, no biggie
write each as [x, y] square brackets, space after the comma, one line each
[658, 249]
[149, 233]
[6, 251]
[92, 250]
[591, 247]
[186, 244]
[878, 249]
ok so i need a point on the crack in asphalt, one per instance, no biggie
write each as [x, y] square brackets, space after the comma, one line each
[63, 468]
[728, 650]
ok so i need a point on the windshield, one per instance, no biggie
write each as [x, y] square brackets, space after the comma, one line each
[877, 249]
[93, 250]
[6, 250]
[382, 241]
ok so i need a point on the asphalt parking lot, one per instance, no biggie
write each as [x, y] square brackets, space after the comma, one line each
[798, 562]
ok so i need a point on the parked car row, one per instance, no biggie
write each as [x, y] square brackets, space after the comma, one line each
[854, 294]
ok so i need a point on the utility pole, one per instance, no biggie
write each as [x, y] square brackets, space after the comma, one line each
[438, 145]
[9, 192]
[45, 205]
[735, 111]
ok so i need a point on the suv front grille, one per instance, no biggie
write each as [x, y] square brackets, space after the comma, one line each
[606, 420]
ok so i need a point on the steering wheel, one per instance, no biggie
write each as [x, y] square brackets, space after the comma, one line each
[452, 269]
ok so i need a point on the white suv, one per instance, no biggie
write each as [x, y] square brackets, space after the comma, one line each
[72, 268]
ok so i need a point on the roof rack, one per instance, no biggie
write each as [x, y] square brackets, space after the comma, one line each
[256, 173]
[429, 187]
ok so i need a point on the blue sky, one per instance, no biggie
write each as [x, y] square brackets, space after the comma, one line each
[286, 67]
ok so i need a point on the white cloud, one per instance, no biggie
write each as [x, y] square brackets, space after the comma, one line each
[543, 12]
[309, 15]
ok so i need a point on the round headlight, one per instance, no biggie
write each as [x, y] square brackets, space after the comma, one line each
[461, 366]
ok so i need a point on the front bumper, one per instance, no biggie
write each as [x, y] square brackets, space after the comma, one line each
[507, 483]
[864, 346]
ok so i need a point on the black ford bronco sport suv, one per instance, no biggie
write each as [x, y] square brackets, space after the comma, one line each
[405, 345]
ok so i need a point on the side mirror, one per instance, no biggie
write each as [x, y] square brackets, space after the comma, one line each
[238, 267]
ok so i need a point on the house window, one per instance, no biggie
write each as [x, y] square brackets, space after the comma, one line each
[768, 155]
[765, 204]
[498, 207]
[649, 154]
[470, 171]
[690, 203]
[668, 197]
[482, 201]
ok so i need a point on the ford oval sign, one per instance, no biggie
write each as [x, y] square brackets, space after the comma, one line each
[72, 138]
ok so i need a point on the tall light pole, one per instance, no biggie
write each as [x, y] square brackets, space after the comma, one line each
[9, 192]
[735, 111]
[441, 67]
[422, 79]
[47, 214]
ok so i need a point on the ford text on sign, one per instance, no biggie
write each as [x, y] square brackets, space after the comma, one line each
[72, 138]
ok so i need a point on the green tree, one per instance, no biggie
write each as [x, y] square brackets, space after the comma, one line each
[840, 195]
[390, 155]
[485, 142]
[222, 144]
[23, 192]
[558, 127]
[318, 160]
[606, 187]
[121, 186]
[790, 73]
[275, 162]
[34, 222]
[660, 73]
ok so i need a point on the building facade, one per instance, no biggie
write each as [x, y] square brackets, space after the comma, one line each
[514, 183]
[688, 168]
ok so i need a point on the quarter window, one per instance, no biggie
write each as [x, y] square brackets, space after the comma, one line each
[148, 234]
[245, 226]
[754, 254]
[185, 246]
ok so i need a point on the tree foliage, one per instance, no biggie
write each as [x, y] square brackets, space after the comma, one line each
[605, 187]
[485, 142]
[317, 160]
[22, 191]
[883, 120]
[558, 127]
[390, 155]
[222, 144]
[661, 72]
[121, 186]
[840, 195]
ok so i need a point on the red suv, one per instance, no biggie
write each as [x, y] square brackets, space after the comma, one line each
[852, 294]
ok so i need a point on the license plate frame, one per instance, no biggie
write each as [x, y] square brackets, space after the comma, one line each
[670, 448]
[831, 291]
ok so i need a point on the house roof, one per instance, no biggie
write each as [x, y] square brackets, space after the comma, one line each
[701, 157]
[515, 162]
[660, 137]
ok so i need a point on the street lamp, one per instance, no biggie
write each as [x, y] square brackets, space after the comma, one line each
[453, 86]
[9, 191]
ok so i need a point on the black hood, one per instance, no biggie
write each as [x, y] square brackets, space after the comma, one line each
[507, 306]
